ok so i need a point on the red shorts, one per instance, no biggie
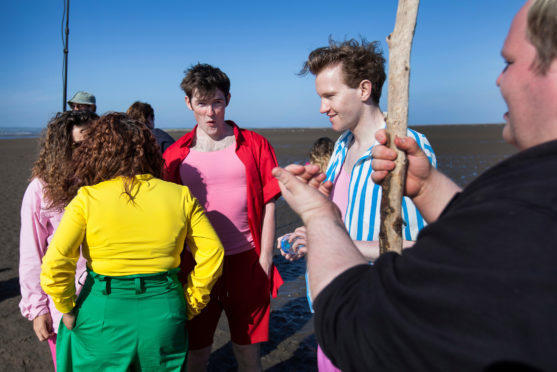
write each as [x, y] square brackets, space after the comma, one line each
[243, 293]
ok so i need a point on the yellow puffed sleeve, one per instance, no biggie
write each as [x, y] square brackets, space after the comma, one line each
[208, 253]
[59, 262]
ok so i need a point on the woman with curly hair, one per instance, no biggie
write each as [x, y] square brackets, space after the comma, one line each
[132, 310]
[40, 216]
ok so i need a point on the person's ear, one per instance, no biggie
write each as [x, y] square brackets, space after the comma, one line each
[188, 103]
[365, 90]
[228, 99]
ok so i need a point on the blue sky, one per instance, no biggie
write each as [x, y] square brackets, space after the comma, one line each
[123, 51]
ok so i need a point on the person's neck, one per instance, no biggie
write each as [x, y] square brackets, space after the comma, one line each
[371, 121]
[218, 140]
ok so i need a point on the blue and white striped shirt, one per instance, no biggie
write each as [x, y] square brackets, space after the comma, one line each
[362, 215]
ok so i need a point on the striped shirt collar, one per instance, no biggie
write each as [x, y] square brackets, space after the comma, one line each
[339, 155]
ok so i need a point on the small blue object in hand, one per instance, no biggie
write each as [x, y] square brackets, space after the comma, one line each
[287, 247]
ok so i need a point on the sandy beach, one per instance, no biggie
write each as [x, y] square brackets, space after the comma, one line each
[463, 152]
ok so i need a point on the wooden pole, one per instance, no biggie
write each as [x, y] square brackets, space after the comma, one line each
[65, 89]
[400, 45]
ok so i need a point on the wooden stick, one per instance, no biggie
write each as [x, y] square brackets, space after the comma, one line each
[400, 45]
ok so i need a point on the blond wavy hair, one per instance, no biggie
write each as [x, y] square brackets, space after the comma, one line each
[321, 152]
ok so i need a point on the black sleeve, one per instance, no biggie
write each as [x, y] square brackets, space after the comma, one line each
[342, 312]
[476, 290]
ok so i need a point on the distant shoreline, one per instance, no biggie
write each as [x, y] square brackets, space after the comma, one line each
[8, 133]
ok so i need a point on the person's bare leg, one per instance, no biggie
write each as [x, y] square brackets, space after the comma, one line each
[198, 359]
[248, 357]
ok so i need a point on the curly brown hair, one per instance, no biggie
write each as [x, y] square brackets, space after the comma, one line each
[360, 61]
[116, 146]
[53, 167]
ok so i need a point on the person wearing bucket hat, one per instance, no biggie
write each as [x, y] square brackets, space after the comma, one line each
[83, 101]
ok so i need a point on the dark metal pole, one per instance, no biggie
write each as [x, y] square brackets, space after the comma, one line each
[66, 56]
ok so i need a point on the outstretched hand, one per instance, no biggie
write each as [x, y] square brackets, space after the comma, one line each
[312, 175]
[419, 167]
[303, 190]
[331, 251]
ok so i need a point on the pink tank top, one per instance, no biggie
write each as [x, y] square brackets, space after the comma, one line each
[218, 180]
[339, 194]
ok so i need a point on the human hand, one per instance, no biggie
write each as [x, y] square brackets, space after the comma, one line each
[419, 167]
[325, 188]
[298, 186]
[311, 174]
[298, 239]
[42, 325]
[69, 320]
[314, 177]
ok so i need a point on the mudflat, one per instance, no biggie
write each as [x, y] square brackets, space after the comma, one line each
[463, 152]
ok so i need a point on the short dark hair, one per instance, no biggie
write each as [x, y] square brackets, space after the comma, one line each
[204, 80]
[360, 61]
[141, 111]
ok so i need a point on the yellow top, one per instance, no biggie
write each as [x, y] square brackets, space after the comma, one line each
[127, 238]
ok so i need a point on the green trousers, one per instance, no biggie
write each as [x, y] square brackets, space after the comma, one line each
[130, 323]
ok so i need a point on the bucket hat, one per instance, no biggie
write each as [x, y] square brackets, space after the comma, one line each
[83, 98]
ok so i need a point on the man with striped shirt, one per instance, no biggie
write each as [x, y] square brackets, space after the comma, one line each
[361, 215]
[477, 290]
[349, 77]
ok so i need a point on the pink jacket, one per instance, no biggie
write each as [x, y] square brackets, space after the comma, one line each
[37, 228]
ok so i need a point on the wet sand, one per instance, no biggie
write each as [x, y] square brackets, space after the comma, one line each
[463, 152]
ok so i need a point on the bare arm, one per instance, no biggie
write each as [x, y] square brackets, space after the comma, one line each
[298, 237]
[330, 248]
[370, 249]
[267, 238]
[429, 189]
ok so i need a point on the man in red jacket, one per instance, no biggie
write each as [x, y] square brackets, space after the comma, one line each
[228, 169]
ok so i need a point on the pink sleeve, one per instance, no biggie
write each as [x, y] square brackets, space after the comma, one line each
[32, 247]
